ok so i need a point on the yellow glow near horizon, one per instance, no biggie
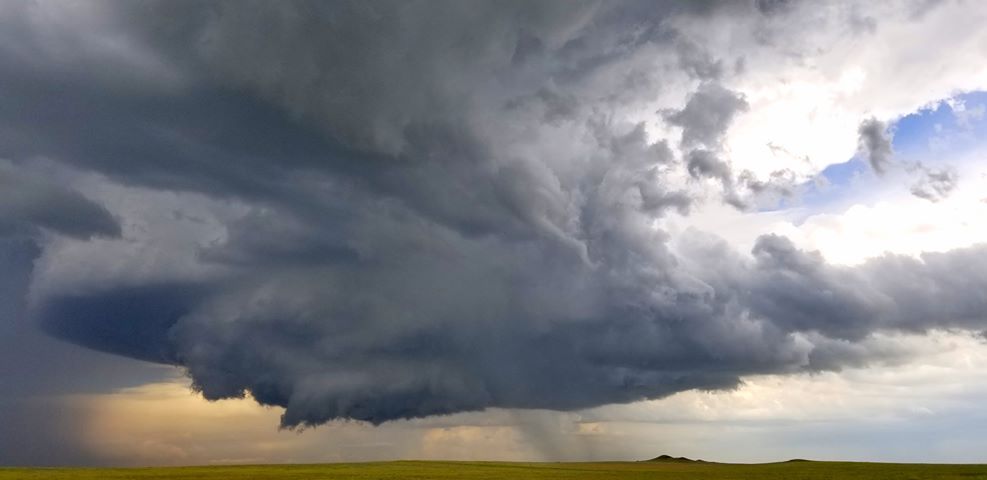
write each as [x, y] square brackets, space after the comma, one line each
[168, 424]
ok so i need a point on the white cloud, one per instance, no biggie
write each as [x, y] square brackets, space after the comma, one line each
[892, 220]
[811, 79]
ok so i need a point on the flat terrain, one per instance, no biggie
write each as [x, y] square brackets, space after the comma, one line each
[497, 470]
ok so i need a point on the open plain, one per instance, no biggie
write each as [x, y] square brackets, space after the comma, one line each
[666, 470]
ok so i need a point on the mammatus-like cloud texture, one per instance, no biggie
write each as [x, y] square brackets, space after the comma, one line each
[385, 210]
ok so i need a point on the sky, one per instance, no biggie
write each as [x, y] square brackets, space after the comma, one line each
[293, 231]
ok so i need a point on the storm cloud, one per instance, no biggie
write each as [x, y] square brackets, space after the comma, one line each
[30, 200]
[403, 209]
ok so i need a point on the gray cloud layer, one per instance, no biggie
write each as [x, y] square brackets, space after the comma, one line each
[29, 200]
[439, 214]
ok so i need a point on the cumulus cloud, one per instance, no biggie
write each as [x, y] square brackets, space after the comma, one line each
[437, 208]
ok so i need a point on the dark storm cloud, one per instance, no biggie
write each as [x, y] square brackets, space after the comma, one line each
[875, 143]
[105, 321]
[800, 292]
[30, 200]
[418, 67]
[437, 216]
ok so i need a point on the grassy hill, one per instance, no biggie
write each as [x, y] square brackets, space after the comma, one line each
[661, 468]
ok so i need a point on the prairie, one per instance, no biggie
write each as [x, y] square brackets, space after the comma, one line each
[419, 470]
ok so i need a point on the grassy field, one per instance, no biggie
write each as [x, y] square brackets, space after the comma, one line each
[497, 470]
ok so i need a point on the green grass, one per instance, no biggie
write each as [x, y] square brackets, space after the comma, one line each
[497, 470]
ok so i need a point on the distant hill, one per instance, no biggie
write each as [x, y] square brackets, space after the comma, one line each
[671, 459]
